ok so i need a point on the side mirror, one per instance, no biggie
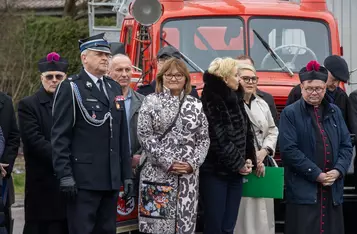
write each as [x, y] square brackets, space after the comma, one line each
[117, 48]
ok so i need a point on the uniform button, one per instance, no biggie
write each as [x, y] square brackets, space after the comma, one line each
[75, 159]
[309, 169]
[111, 150]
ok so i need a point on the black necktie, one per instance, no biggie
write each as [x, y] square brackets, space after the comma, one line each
[101, 88]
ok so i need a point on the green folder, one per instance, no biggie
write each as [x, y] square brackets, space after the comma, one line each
[269, 186]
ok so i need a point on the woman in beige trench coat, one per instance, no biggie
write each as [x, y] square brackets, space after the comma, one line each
[256, 215]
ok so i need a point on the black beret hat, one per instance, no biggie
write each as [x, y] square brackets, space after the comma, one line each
[313, 71]
[53, 62]
[96, 43]
[338, 67]
[168, 52]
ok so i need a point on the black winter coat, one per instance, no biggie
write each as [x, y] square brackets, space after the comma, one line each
[12, 141]
[229, 128]
[43, 200]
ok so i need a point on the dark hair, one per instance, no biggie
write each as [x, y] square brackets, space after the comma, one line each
[245, 57]
[181, 67]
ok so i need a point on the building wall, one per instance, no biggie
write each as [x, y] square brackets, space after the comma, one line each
[345, 12]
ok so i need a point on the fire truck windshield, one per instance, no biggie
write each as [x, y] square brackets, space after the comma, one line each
[204, 39]
[295, 41]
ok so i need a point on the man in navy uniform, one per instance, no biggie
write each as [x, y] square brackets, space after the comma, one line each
[90, 142]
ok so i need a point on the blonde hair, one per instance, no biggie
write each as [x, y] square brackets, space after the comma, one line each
[181, 67]
[223, 67]
[242, 67]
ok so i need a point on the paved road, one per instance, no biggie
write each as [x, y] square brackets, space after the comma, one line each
[18, 215]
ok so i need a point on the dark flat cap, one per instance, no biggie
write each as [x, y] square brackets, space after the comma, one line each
[53, 62]
[313, 71]
[338, 67]
[96, 43]
[168, 52]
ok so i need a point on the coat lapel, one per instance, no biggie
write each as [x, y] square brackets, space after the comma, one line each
[89, 84]
[110, 93]
[135, 104]
[45, 100]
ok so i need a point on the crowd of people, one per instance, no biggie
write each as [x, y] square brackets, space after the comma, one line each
[86, 135]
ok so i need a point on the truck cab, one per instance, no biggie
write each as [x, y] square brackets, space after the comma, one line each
[280, 36]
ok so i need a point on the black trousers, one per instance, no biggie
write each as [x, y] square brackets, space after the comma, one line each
[221, 199]
[92, 212]
[46, 227]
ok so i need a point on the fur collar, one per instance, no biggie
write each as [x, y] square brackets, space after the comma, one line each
[214, 85]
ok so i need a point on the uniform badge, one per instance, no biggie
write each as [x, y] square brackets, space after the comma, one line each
[118, 99]
[89, 84]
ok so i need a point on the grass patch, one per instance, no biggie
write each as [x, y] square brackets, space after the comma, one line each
[19, 183]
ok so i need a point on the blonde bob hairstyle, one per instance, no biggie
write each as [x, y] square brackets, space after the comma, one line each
[168, 66]
[242, 67]
[223, 67]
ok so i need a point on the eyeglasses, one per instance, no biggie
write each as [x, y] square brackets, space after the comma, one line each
[52, 76]
[177, 76]
[247, 79]
[310, 90]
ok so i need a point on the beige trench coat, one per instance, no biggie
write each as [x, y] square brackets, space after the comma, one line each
[256, 215]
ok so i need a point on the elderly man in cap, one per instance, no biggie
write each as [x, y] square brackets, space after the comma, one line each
[45, 211]
[164, 54]
[337, 72]
[316, 150]
[90, 142]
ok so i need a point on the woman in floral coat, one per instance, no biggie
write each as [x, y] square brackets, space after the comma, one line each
[168, 190]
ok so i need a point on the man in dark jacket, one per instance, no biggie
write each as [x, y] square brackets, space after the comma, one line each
[90, 142]
[12, 143]
[164, 54]
[316, 151]
[44, 205]
[337, 72]
[267, 97]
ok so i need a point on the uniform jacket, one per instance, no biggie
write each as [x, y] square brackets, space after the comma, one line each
[256, 215]
[229, 128]
[43, 200]
[96, 157]
[12, 140]
[188, 141]
[297, 147]
[136, 101]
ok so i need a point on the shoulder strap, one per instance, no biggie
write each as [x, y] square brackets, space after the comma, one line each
[173, 122]
[255, 136]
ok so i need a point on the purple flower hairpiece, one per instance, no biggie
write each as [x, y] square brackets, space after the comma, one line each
[53, 56]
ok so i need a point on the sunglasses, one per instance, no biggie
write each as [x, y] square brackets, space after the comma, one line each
[52, 76]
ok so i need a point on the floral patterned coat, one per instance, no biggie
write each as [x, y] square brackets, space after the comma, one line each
[166, 200]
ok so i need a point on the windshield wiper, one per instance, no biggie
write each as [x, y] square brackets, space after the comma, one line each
[274, 55]
[187, 60]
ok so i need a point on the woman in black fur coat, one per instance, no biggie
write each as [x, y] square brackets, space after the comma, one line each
[231, 153]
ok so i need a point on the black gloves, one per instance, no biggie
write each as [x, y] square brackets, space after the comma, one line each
[129, 188]
[68, 187]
